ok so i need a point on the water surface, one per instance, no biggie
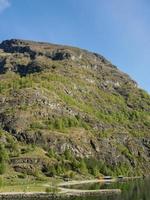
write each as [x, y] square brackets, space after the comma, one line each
[131, 190]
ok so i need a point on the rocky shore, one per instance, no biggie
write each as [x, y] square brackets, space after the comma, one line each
[49, 196]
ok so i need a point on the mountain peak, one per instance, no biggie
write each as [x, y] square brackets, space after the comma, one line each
[52, 52]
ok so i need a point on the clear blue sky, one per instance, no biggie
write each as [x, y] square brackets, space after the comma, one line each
[117, 29]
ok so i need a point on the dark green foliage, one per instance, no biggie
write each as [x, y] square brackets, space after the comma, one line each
[68, 155]
[2, 167]
[82, 167]
[1, 182]
[22, 176]
[52, 190]
[95, 171]
[62, 124]
[51, 153]
[96, 167]
[3, 159]
[51, 171]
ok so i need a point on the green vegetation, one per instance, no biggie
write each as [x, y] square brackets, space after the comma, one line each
[3, 159]
[52, 190]
[69, 115]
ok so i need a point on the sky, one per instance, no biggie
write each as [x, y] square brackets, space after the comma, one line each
[119, 30]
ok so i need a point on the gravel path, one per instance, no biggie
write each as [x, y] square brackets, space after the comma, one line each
[85, 181]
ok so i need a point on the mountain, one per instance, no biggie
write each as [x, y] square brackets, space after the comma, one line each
[68, 112]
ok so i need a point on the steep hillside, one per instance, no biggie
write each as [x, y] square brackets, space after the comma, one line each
[65, 111]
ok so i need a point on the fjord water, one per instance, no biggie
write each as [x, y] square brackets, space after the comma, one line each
[131, 190]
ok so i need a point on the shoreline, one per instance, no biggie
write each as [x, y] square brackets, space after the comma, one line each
[77, 182]
[66, 192]
[78, 192]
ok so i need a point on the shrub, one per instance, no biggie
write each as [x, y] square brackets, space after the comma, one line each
[68, 155]
[51, 153]
[83, 167]
[22, 176]
[2, 167]
[1, 181]
[52, 190]
[95, 171]
[3, 159]
[52, 171]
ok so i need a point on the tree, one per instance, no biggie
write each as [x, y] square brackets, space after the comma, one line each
[51, 153]
[83, 167]
[52, 171]
[68, 155]
[95, 171]
[3, 159]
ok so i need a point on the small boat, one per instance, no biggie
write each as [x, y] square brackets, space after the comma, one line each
[107, 177]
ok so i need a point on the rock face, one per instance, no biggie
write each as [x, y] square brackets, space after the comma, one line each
[63, 98]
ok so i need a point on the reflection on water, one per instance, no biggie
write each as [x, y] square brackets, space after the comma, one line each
[131, 190]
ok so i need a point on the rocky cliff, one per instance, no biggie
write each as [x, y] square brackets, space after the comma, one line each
[65, 111]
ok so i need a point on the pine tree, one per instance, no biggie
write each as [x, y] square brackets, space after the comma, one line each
[83, 167]
[3, 159]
